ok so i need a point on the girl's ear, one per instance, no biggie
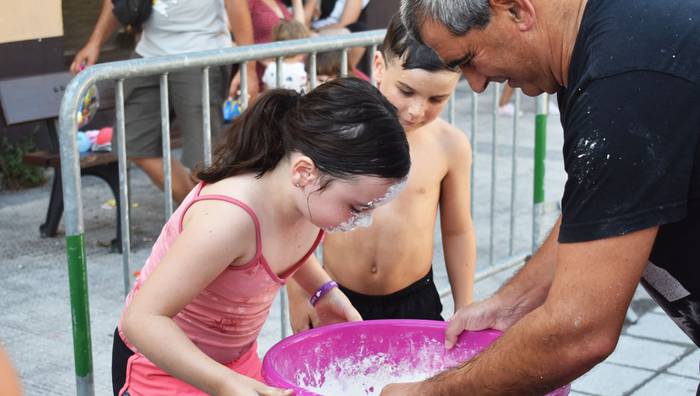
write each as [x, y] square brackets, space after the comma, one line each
[304, 171]
[379, 65]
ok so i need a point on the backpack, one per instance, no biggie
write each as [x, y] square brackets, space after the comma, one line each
[132, 13]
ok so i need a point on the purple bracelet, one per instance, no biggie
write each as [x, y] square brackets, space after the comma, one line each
[322, 291]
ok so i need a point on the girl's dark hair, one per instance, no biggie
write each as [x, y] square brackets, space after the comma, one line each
[399, 44]
[345, 126]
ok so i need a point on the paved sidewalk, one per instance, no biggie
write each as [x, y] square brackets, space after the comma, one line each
[653, 356]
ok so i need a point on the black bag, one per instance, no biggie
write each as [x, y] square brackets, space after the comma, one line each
[132, 13]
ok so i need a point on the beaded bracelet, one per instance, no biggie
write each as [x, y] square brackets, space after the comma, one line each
[322, 291]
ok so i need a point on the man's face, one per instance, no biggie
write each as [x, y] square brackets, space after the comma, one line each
[504, 51]
[419, 95]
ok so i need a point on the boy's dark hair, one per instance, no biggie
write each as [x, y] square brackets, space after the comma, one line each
[399, 44]
[345, 126]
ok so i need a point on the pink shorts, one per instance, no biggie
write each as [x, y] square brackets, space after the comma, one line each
[143, 378]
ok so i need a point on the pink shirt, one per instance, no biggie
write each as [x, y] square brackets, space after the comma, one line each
[264, 20]
[224, 320]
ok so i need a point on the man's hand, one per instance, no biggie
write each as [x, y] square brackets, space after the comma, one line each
[491, 313]
[402, 389]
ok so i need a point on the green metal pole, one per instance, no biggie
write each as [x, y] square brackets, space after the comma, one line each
[538, 180]
[80, 307]
[75, 239]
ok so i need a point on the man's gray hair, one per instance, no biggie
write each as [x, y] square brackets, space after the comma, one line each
[458, 16]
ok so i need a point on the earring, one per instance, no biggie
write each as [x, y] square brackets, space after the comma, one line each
[297, 185]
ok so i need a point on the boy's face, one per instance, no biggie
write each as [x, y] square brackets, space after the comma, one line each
[419, 95]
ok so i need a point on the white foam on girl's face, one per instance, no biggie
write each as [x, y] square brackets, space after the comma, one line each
[364, 219]
[368, 375]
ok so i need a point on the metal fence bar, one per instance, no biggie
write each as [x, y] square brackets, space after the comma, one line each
[494, 130]
[243, 67]
[344, 62]
[472, 138]
[312, 69]
[511, 262]
[514, 172]
[124, 204]
[167, 157]
[206, 118]
[372, 76]
[451, 108]
[538, 179]
[279, 76]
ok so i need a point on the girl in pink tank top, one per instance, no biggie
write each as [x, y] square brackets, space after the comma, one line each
[290, 168]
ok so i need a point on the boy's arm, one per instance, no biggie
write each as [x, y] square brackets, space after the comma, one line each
[106, 25]
[458, 238]
[242, 29]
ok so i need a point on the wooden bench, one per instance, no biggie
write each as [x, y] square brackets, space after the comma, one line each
[37, 98]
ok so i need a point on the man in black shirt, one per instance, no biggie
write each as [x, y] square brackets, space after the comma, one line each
[627, 74]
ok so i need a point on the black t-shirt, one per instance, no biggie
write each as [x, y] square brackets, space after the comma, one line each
[631, 117]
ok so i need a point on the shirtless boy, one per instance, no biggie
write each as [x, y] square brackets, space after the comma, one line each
[386, 269]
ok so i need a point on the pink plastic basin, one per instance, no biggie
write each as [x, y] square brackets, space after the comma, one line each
[368, 355]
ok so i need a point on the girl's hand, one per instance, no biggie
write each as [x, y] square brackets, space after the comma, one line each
[302, 316]
[246, 386]
[335, 307]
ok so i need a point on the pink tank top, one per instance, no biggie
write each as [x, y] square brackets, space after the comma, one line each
[225, 319]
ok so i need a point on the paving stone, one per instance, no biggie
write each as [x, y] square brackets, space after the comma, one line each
[688, 366]
[666, 384]
[643, 353]
[660, 327]
[610, 379]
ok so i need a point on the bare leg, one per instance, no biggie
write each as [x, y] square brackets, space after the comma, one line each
[505, 97]
[354, 56]
[9, 382]
[182, 181]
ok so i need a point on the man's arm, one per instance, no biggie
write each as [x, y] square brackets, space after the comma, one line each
[242, 29]
[524, 292]
[106, 25]
[458, 238]
[576, 328]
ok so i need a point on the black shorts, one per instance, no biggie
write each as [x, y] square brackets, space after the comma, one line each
[419, 300]
[120, 356]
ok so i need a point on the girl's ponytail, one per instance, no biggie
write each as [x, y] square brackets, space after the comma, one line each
[255, 142]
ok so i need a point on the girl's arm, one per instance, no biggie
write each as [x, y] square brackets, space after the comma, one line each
[242, 29]
[298, 12]
[215, 235]
[458, 238]
[331, 308]
[310, 8]
[106, 25]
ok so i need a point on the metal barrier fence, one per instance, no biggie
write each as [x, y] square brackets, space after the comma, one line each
[120, 71]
